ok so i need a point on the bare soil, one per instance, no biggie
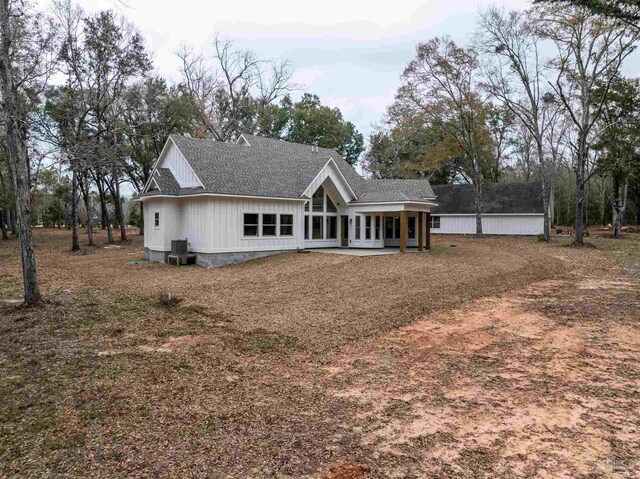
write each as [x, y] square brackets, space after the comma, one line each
[494, 358]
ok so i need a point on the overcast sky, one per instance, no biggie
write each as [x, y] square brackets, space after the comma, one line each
[349, 52]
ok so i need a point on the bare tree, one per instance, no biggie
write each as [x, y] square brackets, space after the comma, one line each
[26, 61]
[590, 52]
[442, 83]
[515, 76]
[232, 88]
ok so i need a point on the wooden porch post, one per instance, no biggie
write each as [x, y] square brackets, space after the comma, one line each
[404, 226]
[420, 231]
[428, 224]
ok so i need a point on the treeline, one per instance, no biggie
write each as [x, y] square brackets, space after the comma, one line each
[537, 94]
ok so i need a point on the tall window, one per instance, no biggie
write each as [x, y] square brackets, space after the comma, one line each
[286, 225]
[435, 222]
[306, 227]
[251, 224]
[378, 227]
[317, 227]
[318, 200]
[156, 219]
[269, 225]
[332, 227]
[388, 227]
[396, 225]
[358, 218]
[412, 227]
[367, 227]
[306, 206]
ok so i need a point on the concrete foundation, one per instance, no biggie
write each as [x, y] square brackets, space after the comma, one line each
[213, 260]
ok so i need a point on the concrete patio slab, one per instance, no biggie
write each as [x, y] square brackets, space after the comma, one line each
[361, 251]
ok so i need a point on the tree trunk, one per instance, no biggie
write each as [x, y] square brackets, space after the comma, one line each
[86, 196]
[477, 196]
[3, 226]
[545, 192]
[104, 214]
[625, 203]
[115, 193]
[638, 206]
[12, 220]
[615, 208]
[75, 244]
[16, 142]
[579, 218]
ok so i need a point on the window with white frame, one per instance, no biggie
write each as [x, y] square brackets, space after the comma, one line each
[156, 219]
[269, 224]
[367, 227]
[435, 222]
[411, 221]
[286, 225]
[378, 227]
[321, 223]
[332, 227]
[358, 230]
[316, 227]
[251, 224]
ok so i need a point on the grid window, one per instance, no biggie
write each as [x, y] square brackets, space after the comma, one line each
[332, 227]
[251, 224]
[358, 218]
[378, 227]
[269, 225]
[156, 219]
[367, 227]
[331, 208]
[317, 227]
[435, 222]
[317, 201]
[286, 225]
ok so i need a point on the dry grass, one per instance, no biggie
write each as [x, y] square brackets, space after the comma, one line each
[311, 365]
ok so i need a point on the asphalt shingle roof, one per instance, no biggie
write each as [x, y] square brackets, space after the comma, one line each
[498, 198]
[274, 168]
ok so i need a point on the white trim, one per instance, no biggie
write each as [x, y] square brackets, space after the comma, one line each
[156, 183]
[487, 214]
[221, 195]
[331, 160]
[243, 138]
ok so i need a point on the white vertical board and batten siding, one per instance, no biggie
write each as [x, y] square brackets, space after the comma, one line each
[528, 225]
[216, 224]
[175, 161]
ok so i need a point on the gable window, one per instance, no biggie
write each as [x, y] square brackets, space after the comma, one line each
[378, 227]
[317, 201]
[286, 225]
[332, 227]
[435, 222]
[156, 219]
[317, 227]
[251, 224]
[331, 208]
[367, 227]
[412, 227]
[358, 218]
[306, 206]
[269, 225]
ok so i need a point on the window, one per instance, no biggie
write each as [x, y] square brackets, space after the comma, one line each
[286, 225]
[156, 219]
[378, 227]
[251, 224]
[396, 224]
[367, 227]
[332, 227]
[269, 225]
[435, 222]
[331, 208]
[306, 206]
[306, 227]
[317, 227]
[317, 201]
[388, 227]
[412, 227]
[358, 218]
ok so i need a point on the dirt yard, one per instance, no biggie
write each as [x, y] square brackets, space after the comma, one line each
[480, 358]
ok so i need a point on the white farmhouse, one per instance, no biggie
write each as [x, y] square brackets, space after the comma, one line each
[237, 201]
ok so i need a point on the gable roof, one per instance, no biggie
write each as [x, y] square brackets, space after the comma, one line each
[265, 167]
[513, 197]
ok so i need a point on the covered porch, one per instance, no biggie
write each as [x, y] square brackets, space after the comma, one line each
[399, 225]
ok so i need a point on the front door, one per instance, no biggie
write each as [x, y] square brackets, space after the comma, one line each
[344, 230]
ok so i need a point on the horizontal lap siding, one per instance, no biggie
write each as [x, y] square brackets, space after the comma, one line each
[499, 224]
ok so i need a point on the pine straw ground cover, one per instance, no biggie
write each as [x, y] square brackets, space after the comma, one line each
[494, 358]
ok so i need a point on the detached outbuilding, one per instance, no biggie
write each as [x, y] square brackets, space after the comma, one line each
[508, 208]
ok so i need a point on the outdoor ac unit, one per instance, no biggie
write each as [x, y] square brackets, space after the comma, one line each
[179, 247]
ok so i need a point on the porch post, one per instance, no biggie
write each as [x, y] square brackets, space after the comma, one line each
[420, 231]
[404, 226]
[428, 224]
